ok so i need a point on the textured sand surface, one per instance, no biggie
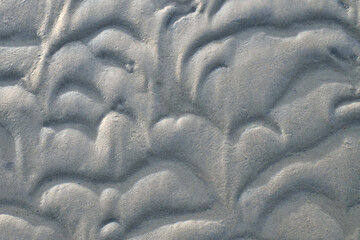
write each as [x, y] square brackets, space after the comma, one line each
[180, 119]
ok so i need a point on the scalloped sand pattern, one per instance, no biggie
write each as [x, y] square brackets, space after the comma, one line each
[180, 119]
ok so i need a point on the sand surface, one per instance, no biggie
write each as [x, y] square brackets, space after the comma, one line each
[180, 119]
